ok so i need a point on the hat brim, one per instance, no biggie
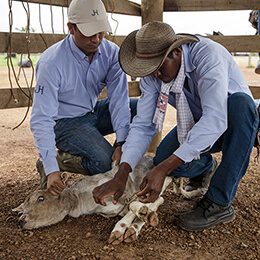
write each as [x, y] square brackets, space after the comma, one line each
[141, 67]
[89, 29]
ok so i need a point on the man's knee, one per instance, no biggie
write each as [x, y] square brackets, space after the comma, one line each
[241, 108]
[240, 102]
[97, 166]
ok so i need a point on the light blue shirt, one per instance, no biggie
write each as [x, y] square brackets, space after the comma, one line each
[212, 75]
[68, 86]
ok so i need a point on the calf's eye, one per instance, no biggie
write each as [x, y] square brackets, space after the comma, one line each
[41, 198]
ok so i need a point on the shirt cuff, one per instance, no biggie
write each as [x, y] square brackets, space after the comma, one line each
[186, 153]
[121, 134]
[131, 158]
[50, 165]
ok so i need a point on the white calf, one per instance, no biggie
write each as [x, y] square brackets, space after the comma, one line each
[42, 209]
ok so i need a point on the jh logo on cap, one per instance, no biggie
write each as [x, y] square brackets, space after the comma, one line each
[95, 12]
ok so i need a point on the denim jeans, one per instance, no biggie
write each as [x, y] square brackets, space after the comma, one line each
[236, 145]
[84, 136]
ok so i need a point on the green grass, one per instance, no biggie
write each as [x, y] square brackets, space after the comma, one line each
[3, 61]
[250, 67]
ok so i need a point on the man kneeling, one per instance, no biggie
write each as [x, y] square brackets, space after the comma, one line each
[215, 112]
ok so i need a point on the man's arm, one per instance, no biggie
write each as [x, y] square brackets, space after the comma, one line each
[136, 144]
[142, 129]
[152, 184]
[45, 108]
[117, 92]
[114, 187]
[210, 80]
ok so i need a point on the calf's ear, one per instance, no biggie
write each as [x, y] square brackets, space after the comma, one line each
[19, 208]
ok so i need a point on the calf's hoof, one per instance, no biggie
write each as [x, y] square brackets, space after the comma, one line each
[153, 219]
[143, 213]
[130, 235]
[115, 238]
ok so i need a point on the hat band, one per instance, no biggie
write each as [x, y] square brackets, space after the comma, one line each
[152, 55]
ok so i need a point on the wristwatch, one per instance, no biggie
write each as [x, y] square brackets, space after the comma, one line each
[116, 144]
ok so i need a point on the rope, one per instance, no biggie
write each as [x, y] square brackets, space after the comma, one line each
[40, 18]
[117, 23]
[10, 81]
[127, 202]
[20, 67]
[10, 45]
[29, 57]
[28, 46]
[10, 52]
[40, 21]
[9, 59]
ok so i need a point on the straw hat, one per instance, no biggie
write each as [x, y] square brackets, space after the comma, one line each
[144, 51]
[90, 16]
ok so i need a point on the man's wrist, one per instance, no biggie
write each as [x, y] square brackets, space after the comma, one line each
[124, 170]
[117, 144]
[170, 164]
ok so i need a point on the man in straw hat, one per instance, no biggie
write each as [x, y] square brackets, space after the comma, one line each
[215, 112]
[66, 114]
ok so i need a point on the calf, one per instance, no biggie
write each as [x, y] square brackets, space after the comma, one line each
[42, 209]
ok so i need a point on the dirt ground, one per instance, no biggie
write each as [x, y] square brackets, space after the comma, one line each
[86, 237]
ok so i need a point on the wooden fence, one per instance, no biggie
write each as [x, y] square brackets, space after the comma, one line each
[148, 11]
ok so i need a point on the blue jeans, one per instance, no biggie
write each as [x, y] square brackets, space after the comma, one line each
[84, 136]
[236, 145]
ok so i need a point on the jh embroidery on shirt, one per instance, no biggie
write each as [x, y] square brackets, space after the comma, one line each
[39, 89]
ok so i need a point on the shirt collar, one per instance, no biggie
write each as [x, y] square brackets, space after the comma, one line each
[189, 66]
[78, 53]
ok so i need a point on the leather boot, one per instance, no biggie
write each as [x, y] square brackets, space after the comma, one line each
[205, 215]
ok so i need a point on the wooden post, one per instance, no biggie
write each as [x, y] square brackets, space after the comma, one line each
[152, 11]
[249, 60]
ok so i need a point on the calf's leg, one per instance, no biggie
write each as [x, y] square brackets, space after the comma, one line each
[133, 231]
[147, 212]
[117, 234]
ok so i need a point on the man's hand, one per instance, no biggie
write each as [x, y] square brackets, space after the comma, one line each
[115, 187]
[54, 184]
[151, 186]
[117, 155]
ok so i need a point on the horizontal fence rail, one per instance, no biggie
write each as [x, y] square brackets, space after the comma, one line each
[40, 42]
[120, 7]
[210, 5]
[7, 101]
[131, 8]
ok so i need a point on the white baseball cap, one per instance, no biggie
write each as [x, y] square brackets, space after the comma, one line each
[90, 16]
